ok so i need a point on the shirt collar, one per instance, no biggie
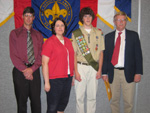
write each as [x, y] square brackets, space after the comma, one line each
[83, 29]
[26, 29]
[55, 38]
[123, 31]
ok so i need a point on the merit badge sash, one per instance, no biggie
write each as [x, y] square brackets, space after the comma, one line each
[83, 46]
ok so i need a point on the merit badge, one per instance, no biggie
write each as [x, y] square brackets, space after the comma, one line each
[96, 48]
[96, 37]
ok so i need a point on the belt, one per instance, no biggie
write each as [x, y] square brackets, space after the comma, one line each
[28, 64]
[119, 68]
[82, 63]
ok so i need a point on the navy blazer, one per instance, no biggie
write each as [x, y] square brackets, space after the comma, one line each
[133, 56]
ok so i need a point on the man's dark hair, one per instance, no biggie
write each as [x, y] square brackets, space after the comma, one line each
[85, 11]
[53, 25]
[29, 10]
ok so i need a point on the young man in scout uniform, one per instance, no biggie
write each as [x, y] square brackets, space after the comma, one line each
[88, 45]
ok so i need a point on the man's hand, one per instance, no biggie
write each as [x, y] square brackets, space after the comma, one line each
[98, 75]
[105, 78]
[77, 76]
[28, 73]
[29, 77]
[47, 87]
[72, 81]
[137, 78]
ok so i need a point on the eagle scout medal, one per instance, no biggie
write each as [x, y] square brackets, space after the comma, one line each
[96, 48]
[96, 37]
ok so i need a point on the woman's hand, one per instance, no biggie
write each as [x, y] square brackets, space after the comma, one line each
[47, 87]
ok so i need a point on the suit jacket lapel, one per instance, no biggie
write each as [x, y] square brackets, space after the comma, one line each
[126, 46]
[113, 41]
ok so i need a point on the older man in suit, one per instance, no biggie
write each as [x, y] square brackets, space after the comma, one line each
[122, 65]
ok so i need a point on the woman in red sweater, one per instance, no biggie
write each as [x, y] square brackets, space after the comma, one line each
[57, 67]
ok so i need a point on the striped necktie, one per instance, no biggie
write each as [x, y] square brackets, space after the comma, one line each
[30, 50]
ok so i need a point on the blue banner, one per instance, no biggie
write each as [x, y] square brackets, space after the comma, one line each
[47, 10]
[125, 6]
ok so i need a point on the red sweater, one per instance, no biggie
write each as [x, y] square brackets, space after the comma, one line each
[57, 52]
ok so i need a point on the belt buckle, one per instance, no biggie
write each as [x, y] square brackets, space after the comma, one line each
[82, 63]
[29, 64]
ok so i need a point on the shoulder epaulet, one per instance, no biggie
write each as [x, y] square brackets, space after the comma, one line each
[99, 29]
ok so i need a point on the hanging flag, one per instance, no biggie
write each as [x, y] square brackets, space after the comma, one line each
[19, 6]
[125, 6]
[6, 11]
[47, 10]
[106, 12]
[102, 8]
[93, 5]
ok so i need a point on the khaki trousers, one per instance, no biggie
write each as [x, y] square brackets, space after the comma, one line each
[128, 91]
[88, 85]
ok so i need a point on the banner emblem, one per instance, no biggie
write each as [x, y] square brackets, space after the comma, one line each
[51, 9]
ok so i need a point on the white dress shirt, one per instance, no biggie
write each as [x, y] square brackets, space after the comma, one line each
[122, 49]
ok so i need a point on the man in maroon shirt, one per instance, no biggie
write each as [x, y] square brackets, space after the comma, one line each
[26, 74]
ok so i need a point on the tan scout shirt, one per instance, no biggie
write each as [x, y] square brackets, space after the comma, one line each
[96, 38]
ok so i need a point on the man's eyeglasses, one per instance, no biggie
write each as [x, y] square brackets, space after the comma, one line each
[28, 15]
[119, 20]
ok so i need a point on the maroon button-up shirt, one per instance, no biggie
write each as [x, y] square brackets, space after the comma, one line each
[18, 47]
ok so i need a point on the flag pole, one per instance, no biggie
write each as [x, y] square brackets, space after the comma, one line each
[139, 26]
